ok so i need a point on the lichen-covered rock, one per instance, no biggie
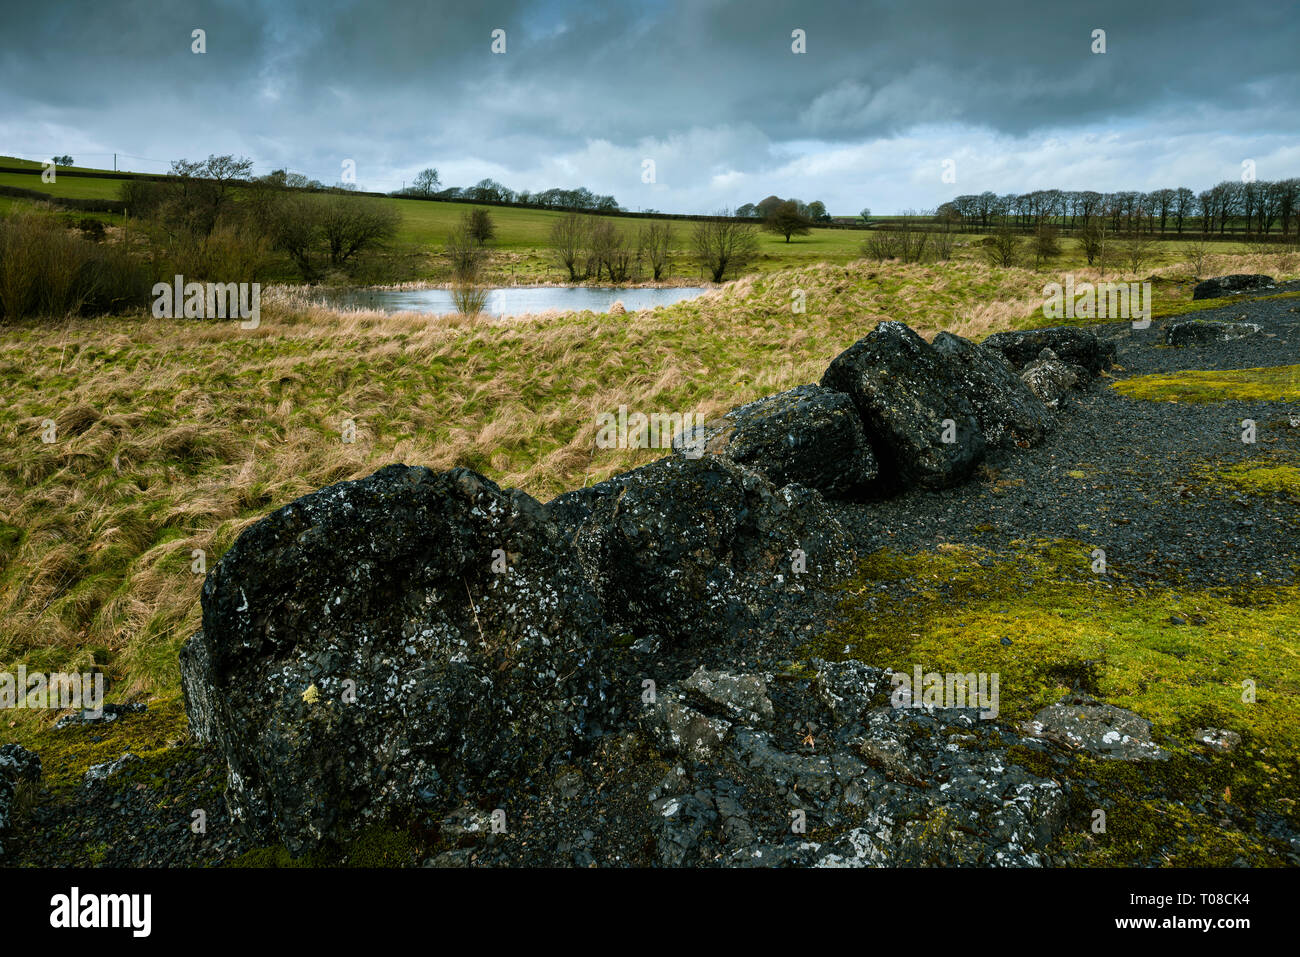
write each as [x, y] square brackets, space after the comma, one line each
[1100, 729]
[679, 729]
[377, 643]
[1221, 286]
[105, 715]
[848, 688]
[1201, 331]
[743, 697]
[695, 549]
[1009, 412]
[97, 773]
[1077, 347]
[16, 764]
[809, 435]
[1050, 380]
[923, 428]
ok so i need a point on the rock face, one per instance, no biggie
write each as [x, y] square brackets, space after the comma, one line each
[380, 641]
[809, 435]
[16, 764]
[1221, 286]
[1050, 379]
[1009, 412]
[1195, 332]
[1100, 729]
[888, 786]
[683, 548]
[923, 428]
[1077, 347]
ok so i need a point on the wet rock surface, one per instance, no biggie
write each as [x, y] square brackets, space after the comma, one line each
[1200, 331]
[379, 643]
[912, 404]
[1221, 286]
[1009, 411]
[1069, 344]
[809, 435]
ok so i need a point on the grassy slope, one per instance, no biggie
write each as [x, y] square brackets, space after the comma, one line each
[174, 436]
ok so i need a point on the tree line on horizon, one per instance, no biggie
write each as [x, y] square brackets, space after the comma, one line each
[1260, 205]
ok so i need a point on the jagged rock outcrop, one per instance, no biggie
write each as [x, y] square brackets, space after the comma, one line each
[682, 548]
[922, 426]
[885, 786]
[1009, 412]
[809, 435]
[1221, 286]
[381, 642]
[1073, 346]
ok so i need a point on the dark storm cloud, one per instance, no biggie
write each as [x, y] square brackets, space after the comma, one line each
[711, 90]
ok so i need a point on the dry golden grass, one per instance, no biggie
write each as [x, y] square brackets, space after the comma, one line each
[174, 436]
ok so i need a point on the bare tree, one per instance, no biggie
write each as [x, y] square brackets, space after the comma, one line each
[426, 182]
[652, 245]
[570, 238]
[722, 243]
[610, 251]
[1093, 238]
[1003, 247]
[350, 224]
[1198, 256]
[1045, 244]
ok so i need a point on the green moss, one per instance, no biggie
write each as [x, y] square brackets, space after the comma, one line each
[1272, 384]
[1262, 478]
[378, 845]
[1073, 630]
[68, 753]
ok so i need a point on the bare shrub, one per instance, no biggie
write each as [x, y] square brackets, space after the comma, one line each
[722, 243]
[653, 242]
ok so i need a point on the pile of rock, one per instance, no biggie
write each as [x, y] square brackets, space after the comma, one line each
[392, 643]
[1234, 285]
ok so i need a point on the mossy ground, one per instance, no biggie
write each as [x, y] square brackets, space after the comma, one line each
[1269, 384]
[1074, 630]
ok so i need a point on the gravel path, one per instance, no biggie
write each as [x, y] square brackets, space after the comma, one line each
[1140, 498]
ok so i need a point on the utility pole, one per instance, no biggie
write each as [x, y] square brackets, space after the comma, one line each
[114, 162]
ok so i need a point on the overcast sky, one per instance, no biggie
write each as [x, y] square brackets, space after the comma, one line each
[710, 91]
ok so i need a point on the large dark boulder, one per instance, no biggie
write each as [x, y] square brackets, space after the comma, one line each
[1008, 411]
[809, 435]
[1077, 347]
[698, 549]
[378, 644]
[1221, 286]
[1198, 332]
[912, 403]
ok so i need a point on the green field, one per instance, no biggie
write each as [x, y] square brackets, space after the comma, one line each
[521, 253]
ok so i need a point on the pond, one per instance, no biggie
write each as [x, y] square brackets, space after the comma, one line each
[515, 300]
